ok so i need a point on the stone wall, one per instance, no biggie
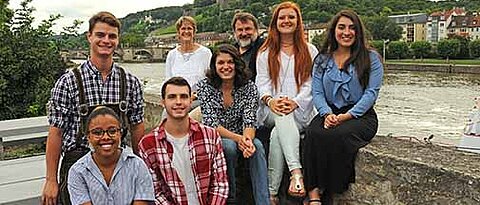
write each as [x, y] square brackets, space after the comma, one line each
[435, 68]
[394, 171]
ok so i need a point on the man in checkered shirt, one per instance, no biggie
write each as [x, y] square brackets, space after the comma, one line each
[185, 158]
[101, 79]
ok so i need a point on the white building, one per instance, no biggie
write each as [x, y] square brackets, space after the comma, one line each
[438, 22]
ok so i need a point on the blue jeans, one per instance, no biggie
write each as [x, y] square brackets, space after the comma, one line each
[258, 170]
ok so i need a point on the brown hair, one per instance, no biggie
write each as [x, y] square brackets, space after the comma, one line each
[303, 60]
[242, 74]
[244, 17]
[178, 81]
[359, 51]
[184, 19]
[104, 17]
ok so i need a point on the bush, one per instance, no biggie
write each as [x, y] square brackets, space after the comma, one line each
[397, 49]
[475, 48]
[30, 64]
[421, 49]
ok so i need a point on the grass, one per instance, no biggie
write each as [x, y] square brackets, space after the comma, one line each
[21, 151]
[167, 30]
[436, 61]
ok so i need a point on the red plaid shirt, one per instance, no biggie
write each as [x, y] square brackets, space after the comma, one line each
[206, 158]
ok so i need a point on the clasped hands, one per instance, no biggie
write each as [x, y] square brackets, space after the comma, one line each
[282, 105]
[332, 120]
[245, 144]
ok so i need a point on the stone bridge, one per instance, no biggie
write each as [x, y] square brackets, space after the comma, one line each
[146, 54]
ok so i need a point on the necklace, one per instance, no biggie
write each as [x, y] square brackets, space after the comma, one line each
[284, 74]
[186, 56]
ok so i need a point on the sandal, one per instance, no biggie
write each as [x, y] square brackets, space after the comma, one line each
[274, 200]
[298, 187]
[314, 201]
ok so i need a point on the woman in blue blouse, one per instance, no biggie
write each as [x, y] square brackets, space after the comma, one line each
[229, 103]
[346, 81]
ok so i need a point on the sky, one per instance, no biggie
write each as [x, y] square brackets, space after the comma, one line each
[84, 9]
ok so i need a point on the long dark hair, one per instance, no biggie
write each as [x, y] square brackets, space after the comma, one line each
[242, 74]
[359, 51]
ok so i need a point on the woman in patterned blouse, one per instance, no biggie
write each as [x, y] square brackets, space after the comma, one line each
[229, 103]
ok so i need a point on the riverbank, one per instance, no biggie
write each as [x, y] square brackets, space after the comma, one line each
[432, 67]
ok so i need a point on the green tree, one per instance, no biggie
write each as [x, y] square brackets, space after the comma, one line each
[397, 49]
[202, 3]
[381, 27]
[135, 36]
[448, 48]
[71, 39]
[378, 46]
[463, 47]
[421, 49]
[475, 48]
[30, 63]
[318, 40]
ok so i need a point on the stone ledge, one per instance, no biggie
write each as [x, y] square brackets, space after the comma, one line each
[393, 171]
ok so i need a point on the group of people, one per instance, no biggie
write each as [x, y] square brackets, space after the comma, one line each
[281, 84]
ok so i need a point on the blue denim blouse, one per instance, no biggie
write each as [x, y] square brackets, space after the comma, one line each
[331, 86]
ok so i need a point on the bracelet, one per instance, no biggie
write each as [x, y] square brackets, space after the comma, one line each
[268, 101]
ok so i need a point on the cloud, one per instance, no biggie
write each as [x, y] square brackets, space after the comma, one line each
[83, 10]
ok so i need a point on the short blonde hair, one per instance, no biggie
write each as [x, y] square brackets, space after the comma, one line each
[187, 19]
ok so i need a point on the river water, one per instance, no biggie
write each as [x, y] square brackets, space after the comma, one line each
[416, 104]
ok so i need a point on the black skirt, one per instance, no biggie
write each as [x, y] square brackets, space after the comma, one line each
[329, 154]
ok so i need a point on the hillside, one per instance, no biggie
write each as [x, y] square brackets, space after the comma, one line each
[214, 17]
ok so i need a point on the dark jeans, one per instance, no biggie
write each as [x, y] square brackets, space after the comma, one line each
[67, 161]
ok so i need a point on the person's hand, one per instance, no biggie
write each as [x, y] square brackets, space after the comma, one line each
[277, 106]
[289, 106]
[194, 96]
[50, 192]
[344, 117]
[331, 120]
[247, 147]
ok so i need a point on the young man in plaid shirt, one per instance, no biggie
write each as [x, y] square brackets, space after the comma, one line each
[184, 157]
[97, 81]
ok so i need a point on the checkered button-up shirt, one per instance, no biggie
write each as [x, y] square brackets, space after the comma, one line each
[206, 158]
[64, 102]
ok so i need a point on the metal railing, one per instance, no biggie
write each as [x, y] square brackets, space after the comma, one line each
[22, 131]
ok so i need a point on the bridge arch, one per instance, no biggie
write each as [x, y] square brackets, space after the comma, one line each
[143, 53]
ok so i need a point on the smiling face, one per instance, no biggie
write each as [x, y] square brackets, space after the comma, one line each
[104, 135]
[177, 102]
[245, 33]
[103, 40]
[345, 32]
[225, 67]
[186, 31]
[287, 21]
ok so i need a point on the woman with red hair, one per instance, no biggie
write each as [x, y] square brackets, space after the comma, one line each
[284, 67]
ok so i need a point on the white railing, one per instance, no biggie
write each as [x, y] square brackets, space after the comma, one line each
[21, 180]
[18, 131]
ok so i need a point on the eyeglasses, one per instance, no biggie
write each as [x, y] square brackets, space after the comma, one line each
[98, 133]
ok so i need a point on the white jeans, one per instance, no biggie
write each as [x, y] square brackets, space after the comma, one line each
[284, 145]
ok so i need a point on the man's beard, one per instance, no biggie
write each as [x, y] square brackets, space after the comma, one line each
[246, 41]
